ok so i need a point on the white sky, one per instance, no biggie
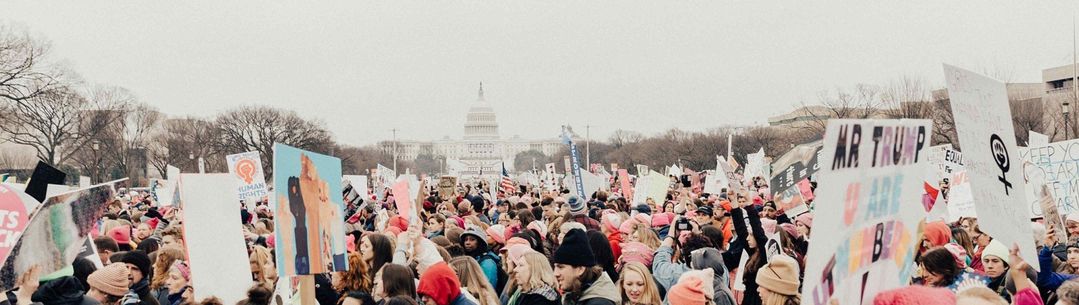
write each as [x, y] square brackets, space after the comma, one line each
[365, 67]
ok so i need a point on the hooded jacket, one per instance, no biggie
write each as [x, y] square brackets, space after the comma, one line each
[441, 285]
[62, 291]
[710, 258]
[601, 292]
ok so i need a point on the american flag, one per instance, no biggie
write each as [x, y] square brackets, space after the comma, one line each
[507, 183]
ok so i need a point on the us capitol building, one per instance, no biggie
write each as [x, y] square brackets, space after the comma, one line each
[481, 150]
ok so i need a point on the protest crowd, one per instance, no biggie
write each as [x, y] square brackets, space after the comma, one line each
[725, 236]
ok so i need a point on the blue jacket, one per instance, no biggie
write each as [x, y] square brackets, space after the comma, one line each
[489, 264]
[664, 269]
[1047, 279]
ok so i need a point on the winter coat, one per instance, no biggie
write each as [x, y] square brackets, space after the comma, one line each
[664, 269]
[710, 258]
[542, 296]
[600, 292]
[1048, 280]
[62, 291]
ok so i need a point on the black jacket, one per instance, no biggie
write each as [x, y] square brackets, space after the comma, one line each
[62, 291]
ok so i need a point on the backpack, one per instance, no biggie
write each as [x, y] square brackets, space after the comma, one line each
[502, 276]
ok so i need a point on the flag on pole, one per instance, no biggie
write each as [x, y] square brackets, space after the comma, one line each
[507, 183]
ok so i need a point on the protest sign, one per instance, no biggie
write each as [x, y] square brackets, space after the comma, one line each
[733, 182]
[575, 165]
[55, 232]
[84, 182]
[310, 233]
[626, 184]
[755, 166]
[402, 198]
[869, 187]
[1056, 162]
[980, 105]
[246, 168]
[44, 175]
[215, 242]
[359, 186]
[715, 183]
[447, 187]
[169, 195]
[15, 209]
[797, 164]
[791, 201]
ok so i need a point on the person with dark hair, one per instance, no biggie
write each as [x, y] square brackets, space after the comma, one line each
[601, 248]
[394, 280]
[376, 250]
[359, 298]
[81, 269]
[401, 300]
[938, 268]
[149, 246]
[257, 295]
[578, 276]
[140, 269]
[475, 244]
[105, 248]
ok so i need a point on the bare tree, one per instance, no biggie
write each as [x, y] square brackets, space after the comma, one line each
[860, 103]
[257, 128]
[906, 98]
[182, 141]
[622, 137]
[24, 73]
[59, 122]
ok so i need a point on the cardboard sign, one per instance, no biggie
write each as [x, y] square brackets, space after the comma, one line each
[309, 212]
[55, 232]
[982, 117]
[402, 198]
[246, 168]
[215, 243]
[755, 166]
[1035, 139]
[791, 202]
[626, 184]
[1056, 162]
[733, 182]
[870, 183]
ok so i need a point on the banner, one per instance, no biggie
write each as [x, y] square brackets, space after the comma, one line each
[55, 232]
[246, 169]
[870, 187]
[310, 231]
[215, 242]
[982, 116]
[575, 164]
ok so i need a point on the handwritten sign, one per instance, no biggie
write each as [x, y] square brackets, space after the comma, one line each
[982, 116]
[869, 187]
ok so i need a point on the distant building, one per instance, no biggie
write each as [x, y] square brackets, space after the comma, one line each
[481, 149]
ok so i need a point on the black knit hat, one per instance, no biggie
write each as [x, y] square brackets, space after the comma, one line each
[140, 260]
[575, 250]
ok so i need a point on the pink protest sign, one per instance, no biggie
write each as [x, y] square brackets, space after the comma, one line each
[13, 217]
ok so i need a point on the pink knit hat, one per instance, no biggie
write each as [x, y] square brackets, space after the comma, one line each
[769, 226]
[660, 220]
[515, 252]
[628, 226]
[642, 218]
[636, 252]
[791, 229]
[805, 218]
[612, 222]
[497, 233]
[915, 295]
[538, 227]
[121, 234]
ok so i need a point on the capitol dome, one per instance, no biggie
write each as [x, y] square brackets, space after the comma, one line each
[481, 123]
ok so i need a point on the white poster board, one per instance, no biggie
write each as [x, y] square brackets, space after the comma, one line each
[214, 238]
[983, 123]
[870, 189]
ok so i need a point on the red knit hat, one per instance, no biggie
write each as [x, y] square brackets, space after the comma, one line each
[915, 295]
[121, 234]
[398, 222]
[937, 233]
[688, 291]
[439, 283]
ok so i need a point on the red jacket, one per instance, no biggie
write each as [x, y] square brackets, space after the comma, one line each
[615, 238]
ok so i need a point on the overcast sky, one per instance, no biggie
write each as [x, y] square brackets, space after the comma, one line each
[365, 67]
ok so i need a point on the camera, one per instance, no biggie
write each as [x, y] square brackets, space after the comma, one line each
[682, 224]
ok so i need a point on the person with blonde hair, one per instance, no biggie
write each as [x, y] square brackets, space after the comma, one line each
[535, 281]
[472, 278]
[263, 271]
[637, 286]
[643, 234]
